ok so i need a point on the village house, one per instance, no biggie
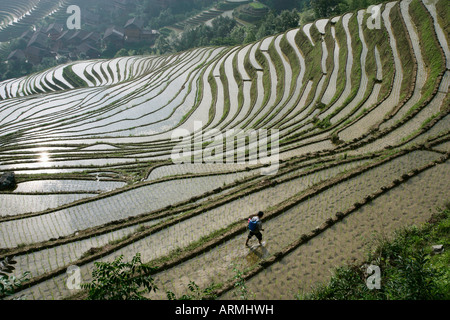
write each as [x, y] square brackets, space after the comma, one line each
[93, 39]
[133, 29]
[149, 35]
[134, 32]
[39, 40]
[77, 37]
[54, 31]
[35, 54]
[54, 40]
[26, 35]
[87, 51]
[63, 40]
[113, 36]
[17, 55]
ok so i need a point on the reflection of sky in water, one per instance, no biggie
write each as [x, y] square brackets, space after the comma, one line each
[44, 158]
[49, 163]
[14, 204]
[68, 185]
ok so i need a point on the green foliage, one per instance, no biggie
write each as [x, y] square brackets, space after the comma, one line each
[72, 78]
[335, 139]
[324, 8]
[278, 5]
[14, 69]
[320, 105]
[430, 47]
[257, 5]
[273, 24]
[328, 8]
[414, 278]
[196, 293]
[240, 284]
[322, 124]
[120, 280]
[226, 31]
[121, 53]
[10, 283]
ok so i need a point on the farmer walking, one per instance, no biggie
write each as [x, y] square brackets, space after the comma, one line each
[255, 227]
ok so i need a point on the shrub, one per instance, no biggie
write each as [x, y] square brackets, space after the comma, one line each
[196, 293]
[120, 280]
[9, 284]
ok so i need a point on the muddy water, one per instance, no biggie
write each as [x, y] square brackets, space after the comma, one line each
[288, 227]
[185, 232]
[177, 169]
[123, 205]
[217, 262]
[444, 147]
[46, 260]
[14, 204]
[67, 186]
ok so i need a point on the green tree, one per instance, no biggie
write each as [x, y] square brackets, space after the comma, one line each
[10, 283]
[288, 19]
[121, 53]
[250, 34]
[120, 280]
[324, 8]
[238, 34]
[162, 44]
[285, 4]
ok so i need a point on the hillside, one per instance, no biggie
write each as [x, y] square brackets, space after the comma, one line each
[361, 106]
[17, 16]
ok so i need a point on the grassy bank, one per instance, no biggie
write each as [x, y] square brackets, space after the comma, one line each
[410, 270]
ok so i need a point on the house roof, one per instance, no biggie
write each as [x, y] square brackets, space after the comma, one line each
[79, 34]
[113, 32]
[84, 48]
[94, 36]
[32, 50]
[138, 23]
[39, 29]
[66, 35]
[27, 34]
[38, 38]
[54, 27]
[16, 54]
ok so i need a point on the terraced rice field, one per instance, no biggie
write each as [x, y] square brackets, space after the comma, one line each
[362, 115]
[224, 9]
[17, 16]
